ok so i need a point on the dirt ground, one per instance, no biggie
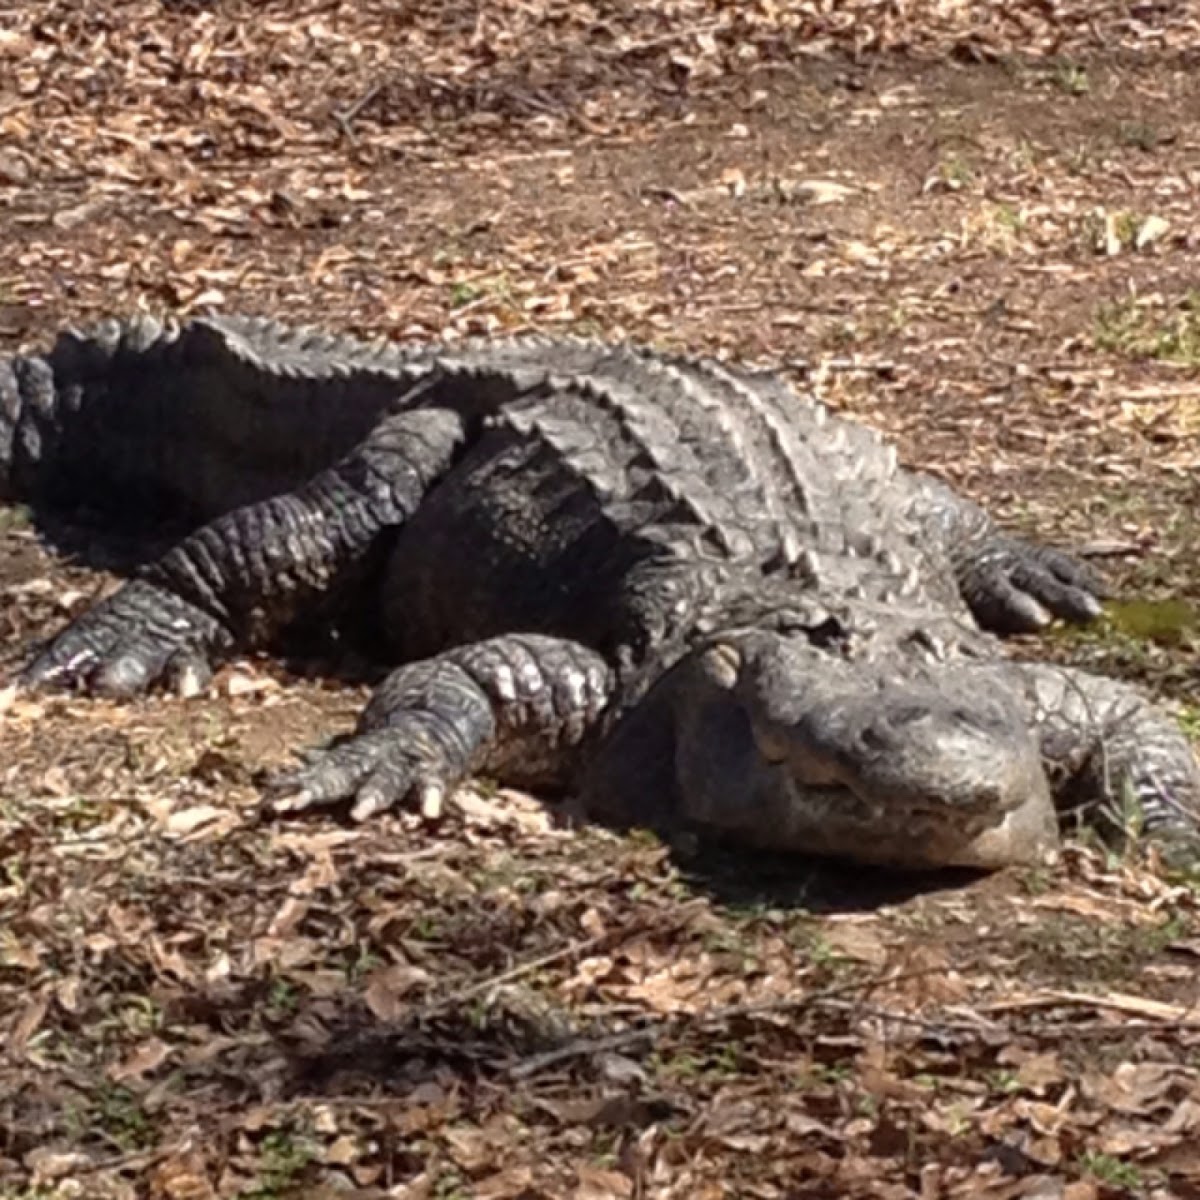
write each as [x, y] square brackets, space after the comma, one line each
[977, 232]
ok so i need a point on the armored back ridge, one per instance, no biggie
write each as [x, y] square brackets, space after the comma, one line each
[670, 584]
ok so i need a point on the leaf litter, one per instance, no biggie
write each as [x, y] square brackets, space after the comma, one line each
[972, 225]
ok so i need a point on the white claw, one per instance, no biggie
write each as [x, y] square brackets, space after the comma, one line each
[432, 797]
[365, 808]
[190, 683]
[506, 684]
[80, 658]
[293, 803]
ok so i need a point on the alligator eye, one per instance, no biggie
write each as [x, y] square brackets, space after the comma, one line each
[831, 634]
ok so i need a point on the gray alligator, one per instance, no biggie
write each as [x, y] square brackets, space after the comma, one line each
[670, 585]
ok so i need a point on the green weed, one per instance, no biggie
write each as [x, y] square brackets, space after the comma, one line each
[1128, 328]
[1109, 1169]
[1071, 79]
[285, 1156]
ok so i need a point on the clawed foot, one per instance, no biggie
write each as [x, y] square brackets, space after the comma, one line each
[140, 636]
[376, 770]
[1016, 587]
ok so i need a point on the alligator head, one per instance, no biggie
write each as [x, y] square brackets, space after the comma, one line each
[791, 743]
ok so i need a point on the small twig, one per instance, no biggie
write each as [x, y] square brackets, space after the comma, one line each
[931, 1024]
[481, 987]
[719, 1016]
[1121, 1029]
[662, 1027]
[608, 938]
[581, 1049]
[126, 1161]
[345, 116]
[1117, 1002]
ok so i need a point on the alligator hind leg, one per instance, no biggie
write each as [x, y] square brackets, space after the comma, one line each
[1114, 759]
[516, 706]
[240, 579]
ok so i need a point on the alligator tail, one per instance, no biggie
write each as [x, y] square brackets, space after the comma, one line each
[27, 415]
[46, 436]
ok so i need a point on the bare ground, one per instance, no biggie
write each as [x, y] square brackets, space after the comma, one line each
[985, 246]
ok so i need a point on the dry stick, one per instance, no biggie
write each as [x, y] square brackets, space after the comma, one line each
[580, 1049]
[831, 999]
[1109, 1029]
[517, 972]
[628, 1037]
[535, 964]
[654, 43]
[1115, 1002]
[1057, 1028]
[1110, 549]
[345, 116]
[932, 1024]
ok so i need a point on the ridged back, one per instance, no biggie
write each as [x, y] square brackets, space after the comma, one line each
[220, 411]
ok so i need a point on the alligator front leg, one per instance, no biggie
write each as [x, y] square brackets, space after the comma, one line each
[1112, 757]
[241, 578]
[1010, 585]
[516, 707]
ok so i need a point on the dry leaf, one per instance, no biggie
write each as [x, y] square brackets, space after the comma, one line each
[596, 1184]
[859, 942]
[1150, 230]
[386, 991]
[147, 1057]
[187, 820]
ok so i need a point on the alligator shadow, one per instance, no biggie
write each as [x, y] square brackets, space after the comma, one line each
[739, 878]
[86, 539]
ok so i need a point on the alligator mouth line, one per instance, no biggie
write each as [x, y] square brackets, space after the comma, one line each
[843, 797]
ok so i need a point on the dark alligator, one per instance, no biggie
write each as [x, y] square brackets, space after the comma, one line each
[670, 585]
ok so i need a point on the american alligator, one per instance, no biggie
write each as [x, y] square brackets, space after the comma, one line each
[669, 585]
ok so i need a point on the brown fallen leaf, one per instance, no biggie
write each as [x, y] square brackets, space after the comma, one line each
[28, 1021]
[182, 1177]
[594, 1183]
[386, 990]
[1040, 1071]
[856, 940]
[147, 1057]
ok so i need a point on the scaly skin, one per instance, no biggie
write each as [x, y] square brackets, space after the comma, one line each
[237, 580]
[514, 706]
[669, 583]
